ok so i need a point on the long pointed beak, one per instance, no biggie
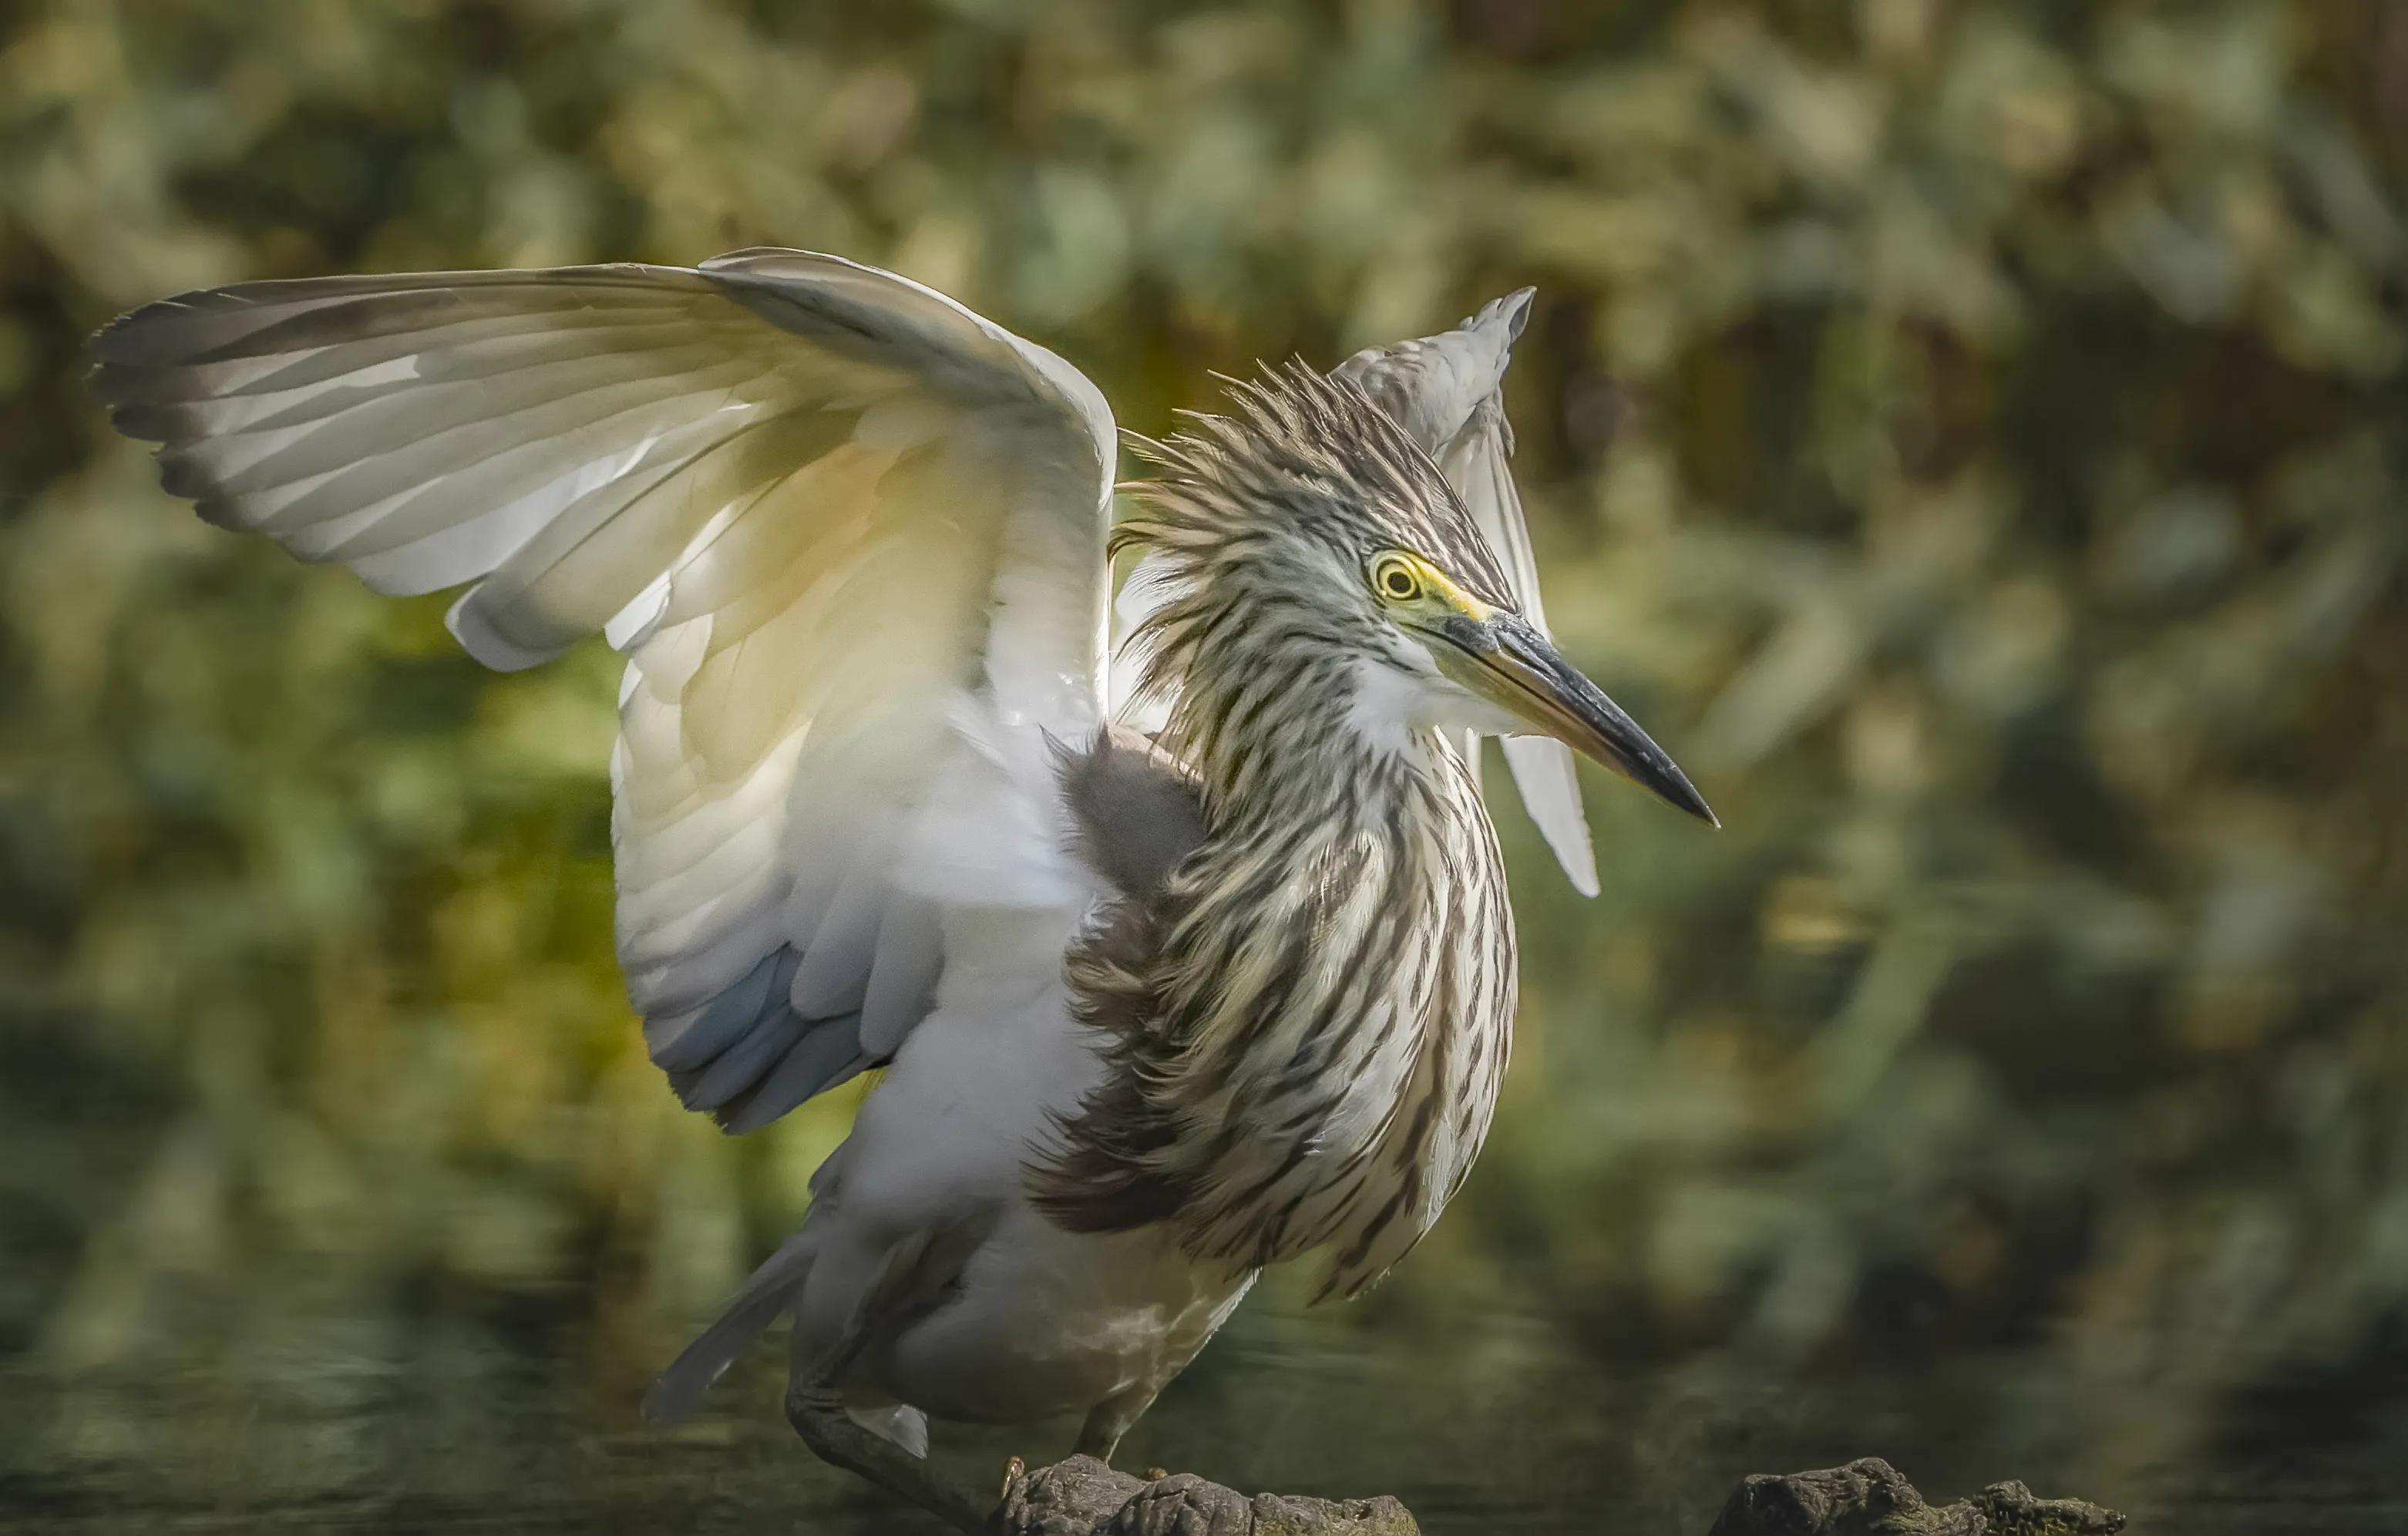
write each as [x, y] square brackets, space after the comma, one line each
[1510, 664]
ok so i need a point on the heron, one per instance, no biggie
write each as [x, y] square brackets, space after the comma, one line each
[1184, 950]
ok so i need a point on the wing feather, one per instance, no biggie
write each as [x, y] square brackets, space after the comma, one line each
[829, 515]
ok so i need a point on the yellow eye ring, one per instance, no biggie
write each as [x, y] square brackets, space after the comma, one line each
[1396, 579]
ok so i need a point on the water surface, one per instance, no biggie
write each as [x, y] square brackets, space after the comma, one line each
[1485, 1420]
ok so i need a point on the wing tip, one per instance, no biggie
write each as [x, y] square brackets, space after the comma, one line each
[1512, 310]
[479, 639]
[1549, 783]
[129, 340]
[148, 335]
[1576, 853]
[1581, 869]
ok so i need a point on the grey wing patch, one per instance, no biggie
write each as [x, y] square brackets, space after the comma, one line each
[1134, 812]
[747, 1057]
[756, 1049]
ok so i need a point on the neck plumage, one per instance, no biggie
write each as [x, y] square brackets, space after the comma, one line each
[1311, 1021]
[1277, 732]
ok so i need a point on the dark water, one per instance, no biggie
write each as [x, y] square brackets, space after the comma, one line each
[1481, 1419]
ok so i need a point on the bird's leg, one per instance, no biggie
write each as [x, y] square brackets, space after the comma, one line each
[1110, 1419]
[817, 1414]
[815, 1404]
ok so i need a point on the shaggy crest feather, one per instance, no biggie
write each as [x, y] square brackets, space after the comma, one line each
[1309, 1019]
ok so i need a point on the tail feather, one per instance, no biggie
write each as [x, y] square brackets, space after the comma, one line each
[676, 1392]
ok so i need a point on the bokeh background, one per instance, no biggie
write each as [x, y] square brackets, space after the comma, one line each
[1974, 436]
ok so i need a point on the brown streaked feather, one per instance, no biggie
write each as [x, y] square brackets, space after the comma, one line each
[1305, 1021]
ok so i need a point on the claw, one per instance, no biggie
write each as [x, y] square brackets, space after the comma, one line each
[1014, 1471]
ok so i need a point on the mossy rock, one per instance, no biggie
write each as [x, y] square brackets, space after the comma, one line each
[1872, 1497]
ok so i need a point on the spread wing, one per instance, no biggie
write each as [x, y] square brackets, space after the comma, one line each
[1448, 392]
[848, 534]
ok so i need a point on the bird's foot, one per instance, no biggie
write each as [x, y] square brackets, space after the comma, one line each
[1014, 1471]
[817, 1413]
[1155, 1475]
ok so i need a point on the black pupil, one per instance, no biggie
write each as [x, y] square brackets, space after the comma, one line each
[1400, 583]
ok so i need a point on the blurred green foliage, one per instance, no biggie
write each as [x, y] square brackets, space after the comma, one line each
[1974, 436]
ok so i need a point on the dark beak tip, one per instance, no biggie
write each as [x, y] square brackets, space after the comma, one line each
[1695, 804]
[1670, 785]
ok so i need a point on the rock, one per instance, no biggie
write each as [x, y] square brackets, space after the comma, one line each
[1067, 1499]
[1870, 1498]
[2013, 1511]
[1083, 1497]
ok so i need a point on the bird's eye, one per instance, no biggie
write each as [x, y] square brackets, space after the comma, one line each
[1396, 579]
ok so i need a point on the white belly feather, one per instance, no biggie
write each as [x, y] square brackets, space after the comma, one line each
[1029, 1320]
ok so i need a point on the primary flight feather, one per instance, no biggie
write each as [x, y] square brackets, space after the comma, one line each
[1170, 985]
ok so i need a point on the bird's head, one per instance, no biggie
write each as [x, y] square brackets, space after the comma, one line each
[1306, 550]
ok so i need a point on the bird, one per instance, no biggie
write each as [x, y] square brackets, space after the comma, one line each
[1174, 922]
